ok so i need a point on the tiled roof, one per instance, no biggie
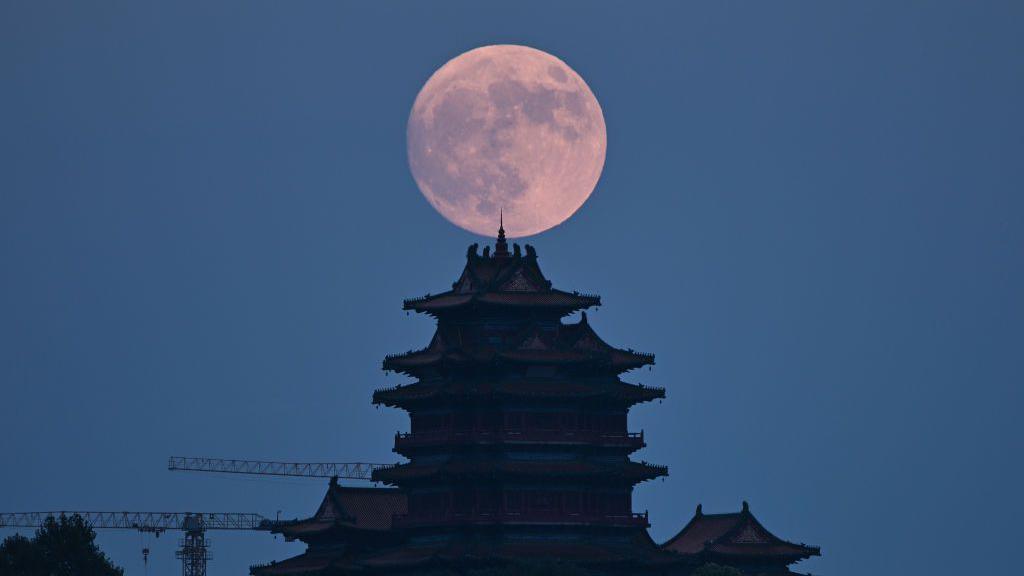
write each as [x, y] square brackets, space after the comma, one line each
[568, 301]
[567, 344]
[306, 563]
[524, 388]
[509, 279]
[349, 507]
[372, 508]
[630, 471]
[637, 550]
[707, 528]
[734, 536]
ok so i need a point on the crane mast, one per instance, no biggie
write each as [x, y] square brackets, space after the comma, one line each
[194, 548]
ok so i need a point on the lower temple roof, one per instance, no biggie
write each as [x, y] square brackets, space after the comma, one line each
[347, 507]
[733, 539]
[636, 550]
[736, 537]
[307, 563]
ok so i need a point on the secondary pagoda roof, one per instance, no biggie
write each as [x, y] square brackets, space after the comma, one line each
[735, 538]
[504, 279]
[568, 344]
[557, 299]
[344, 512]
[525, 388]
[348, 508]
[310, 562]
[628, 471]
[635, 551]
[630, 553]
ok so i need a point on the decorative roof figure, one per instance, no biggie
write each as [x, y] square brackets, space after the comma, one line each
[501, 246]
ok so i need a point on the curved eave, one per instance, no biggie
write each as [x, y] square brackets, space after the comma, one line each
[629, 360]
[785, 553]
[305, 563]
[553, 300]
[714, 537]
[440, 556]
[318, 530]
[301, 529]
[633, 472]
[618, 362]
[411, 395]
[408, 363]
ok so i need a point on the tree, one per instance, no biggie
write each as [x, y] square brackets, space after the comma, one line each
[19, 555]
[716, 570]
[61, 547]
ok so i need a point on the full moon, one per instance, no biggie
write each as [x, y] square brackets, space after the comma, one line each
[506, 129]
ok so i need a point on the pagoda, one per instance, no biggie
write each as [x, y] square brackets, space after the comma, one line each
[518, 448]
[518, 420]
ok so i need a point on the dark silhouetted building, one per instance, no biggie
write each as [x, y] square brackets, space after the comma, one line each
[518, 449]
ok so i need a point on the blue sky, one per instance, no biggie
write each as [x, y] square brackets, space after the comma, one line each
[811, 213]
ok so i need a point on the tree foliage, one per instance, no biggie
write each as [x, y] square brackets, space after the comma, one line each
[63, 546]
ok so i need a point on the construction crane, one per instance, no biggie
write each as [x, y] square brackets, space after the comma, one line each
[348, 470]
[193, 549]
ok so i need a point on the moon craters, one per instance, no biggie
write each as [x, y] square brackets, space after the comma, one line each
[506, 128]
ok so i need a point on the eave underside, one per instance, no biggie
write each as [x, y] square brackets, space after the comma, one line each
[422, 392]
[467, 552]
[628, 472]
[557, 301]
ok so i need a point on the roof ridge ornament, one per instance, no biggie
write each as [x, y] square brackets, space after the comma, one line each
[501, 246]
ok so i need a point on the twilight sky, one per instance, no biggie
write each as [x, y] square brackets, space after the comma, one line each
[811, 213]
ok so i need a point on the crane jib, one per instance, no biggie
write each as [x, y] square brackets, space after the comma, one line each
[347, 470]
[144, 521]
